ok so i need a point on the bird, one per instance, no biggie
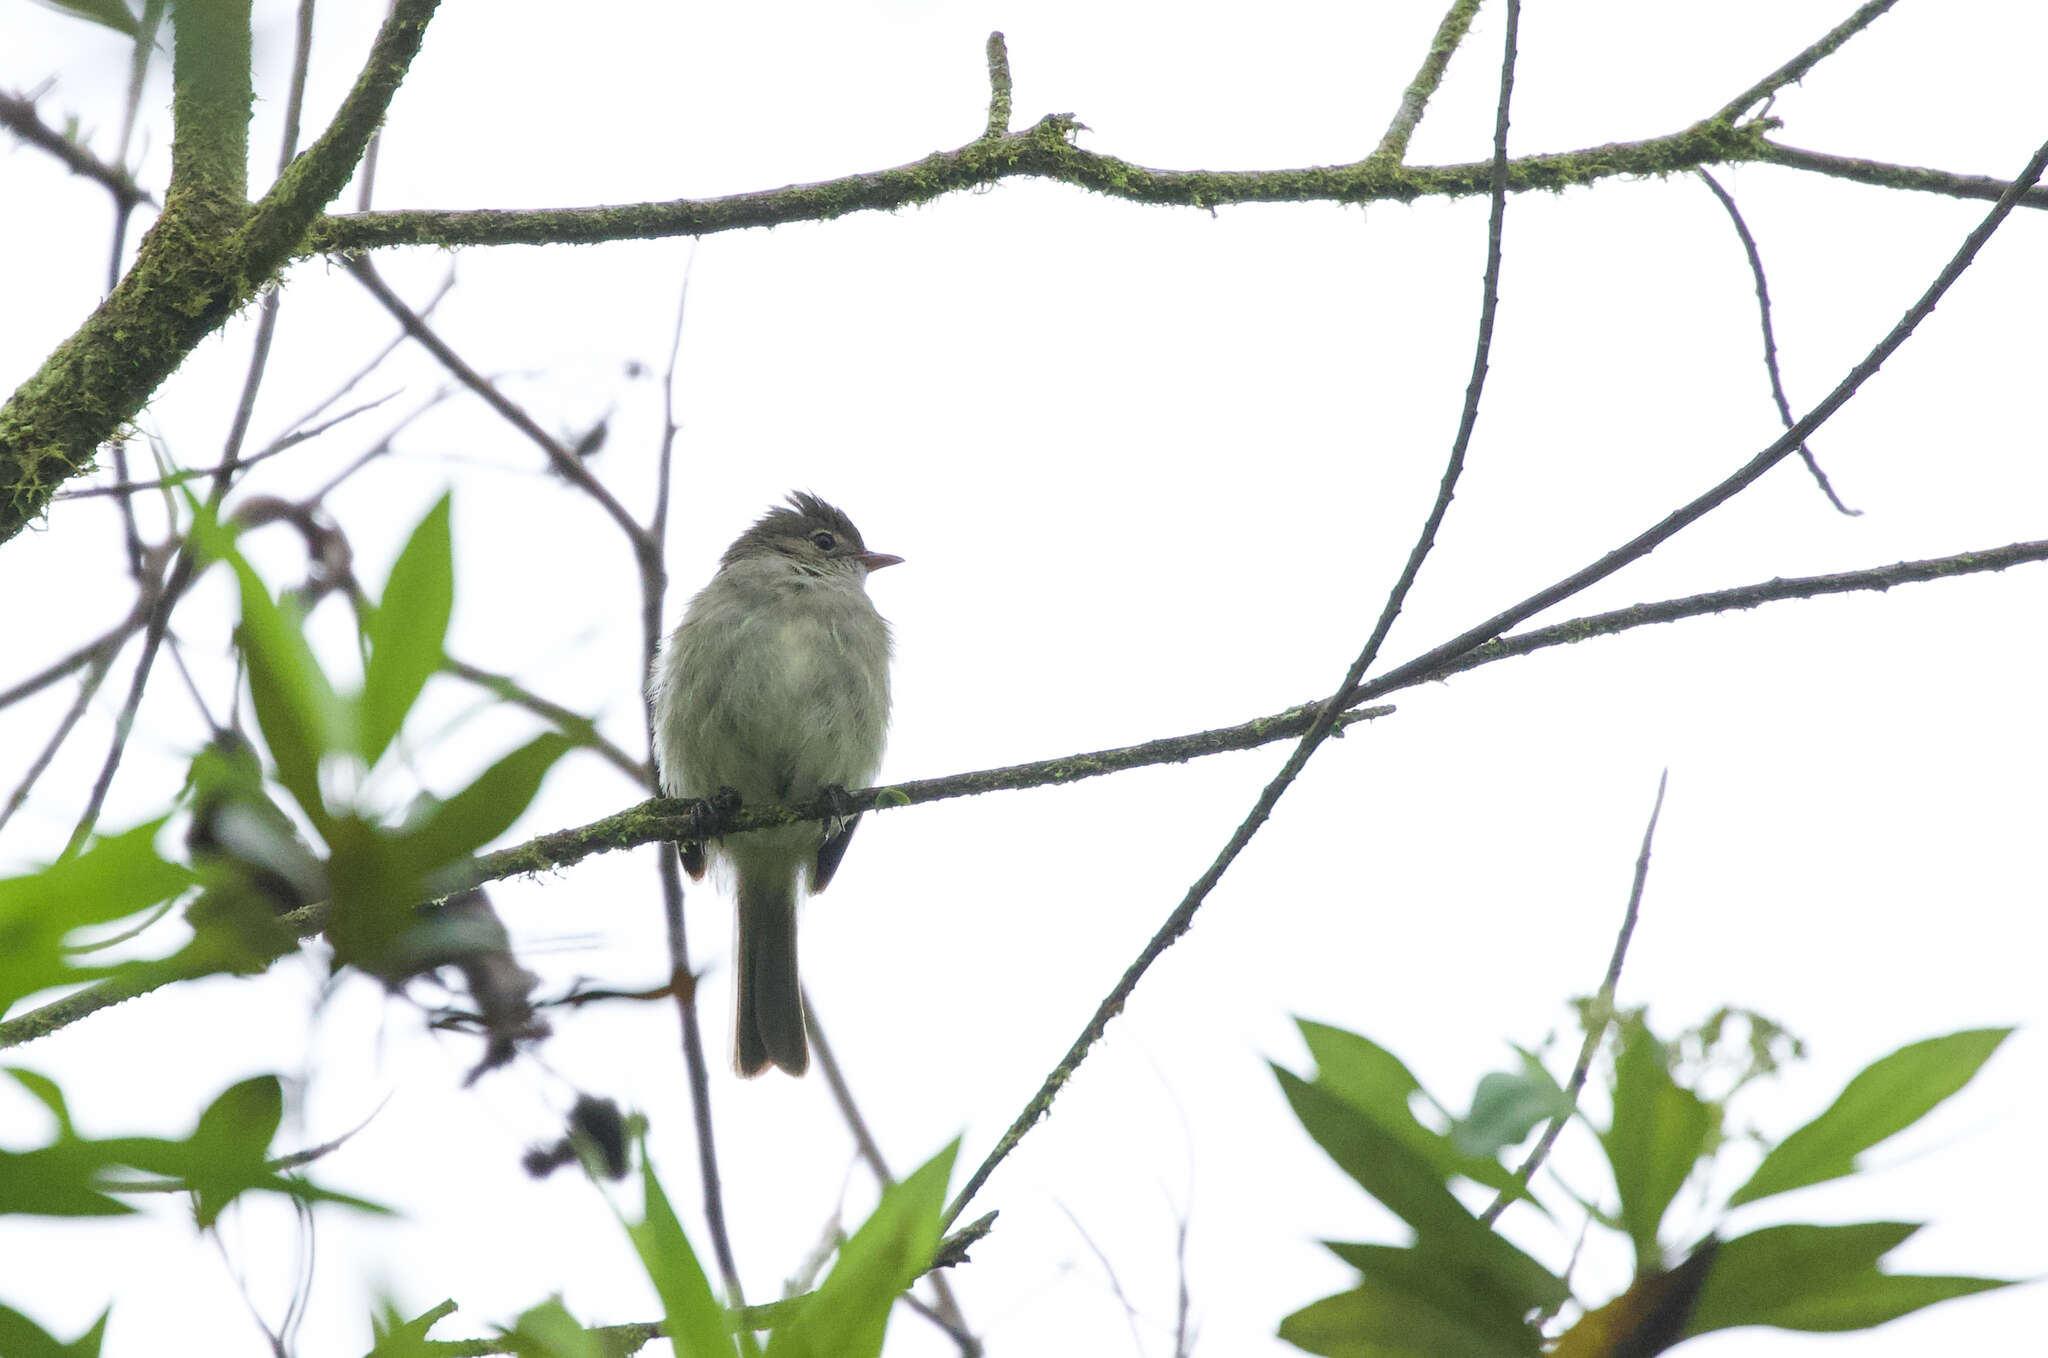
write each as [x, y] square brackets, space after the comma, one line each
[775, 686]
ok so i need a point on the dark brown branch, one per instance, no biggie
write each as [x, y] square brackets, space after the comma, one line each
[1326, 716]
[1599, 1015]
[18, 115]
[1763, 306]
[569, 466]
[1671, 524]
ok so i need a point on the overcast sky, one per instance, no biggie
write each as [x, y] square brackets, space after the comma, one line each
[1152, 471]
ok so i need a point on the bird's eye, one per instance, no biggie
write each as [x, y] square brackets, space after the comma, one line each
[823, 541]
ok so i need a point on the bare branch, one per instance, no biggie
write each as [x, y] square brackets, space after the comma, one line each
[1763, 306]
[1889, 176]
[1798, 66]
[1603, 1008]
[18, 115]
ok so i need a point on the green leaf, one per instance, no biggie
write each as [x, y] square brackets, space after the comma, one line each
[1372, 1321]
[1373, 1080]
[1431, 1282]
[485, 809]
[1660, 1132]
[691, 1316]
[1506, 1108]
[1412, 1189]
[1888, 1096]
[112, 879]
[296, 707]
[398, 1337]
[21, 1337]
[549, 1331]
[227, 1148]
[849, 1314]
[407, 631]
[1805, 1277]
[48, 1094]
[55, 1181]
[111, 14]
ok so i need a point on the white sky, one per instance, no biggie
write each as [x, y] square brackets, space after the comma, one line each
[1152, 471]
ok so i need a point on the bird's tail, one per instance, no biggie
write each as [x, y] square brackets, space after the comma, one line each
[770, 1026]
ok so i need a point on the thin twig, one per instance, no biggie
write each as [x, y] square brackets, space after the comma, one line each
[283, 443]
[111, 639]
[565, 462]
[1691, 512]
[945, 1308]
[1325, 721]
[1456, 23]
[95, 675]
[650, 551]
[18, 115]
[1798, 66]
[1116, 1287]
[575, 724]
[1601, 1015]
[1763, 306]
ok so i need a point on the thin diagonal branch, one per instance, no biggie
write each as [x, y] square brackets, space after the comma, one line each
[569, 466]
[18, 115]
[1798, 66]
[1763, 306]
[1602, 1010]
[1888, 176]
[1326, 716]
[1457, 22]
[1671, 524]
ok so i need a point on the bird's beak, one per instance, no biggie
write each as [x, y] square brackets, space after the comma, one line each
[874, 561]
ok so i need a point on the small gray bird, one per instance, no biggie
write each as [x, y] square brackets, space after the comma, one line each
[776, 685]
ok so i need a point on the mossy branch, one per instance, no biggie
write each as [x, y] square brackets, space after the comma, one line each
[661, 819]
[208, 255]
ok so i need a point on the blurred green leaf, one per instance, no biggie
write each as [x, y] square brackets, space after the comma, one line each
[112, 879]
[301, 717]
[112, 14]
[1371, 1321]
[407, 630]
[1415, 1285]
[56, 1181]
[849, 1314]
[21, 1337]
[225, 1156]
[691, 1316]
[549, 1331]
[48, 1094]
[485, 809]
[398, 1337]
[1506, 1108]
[1410, 1187]
[1374, 1081]
[1888, 1096]
[1659, 1133]
[1806, 1277]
